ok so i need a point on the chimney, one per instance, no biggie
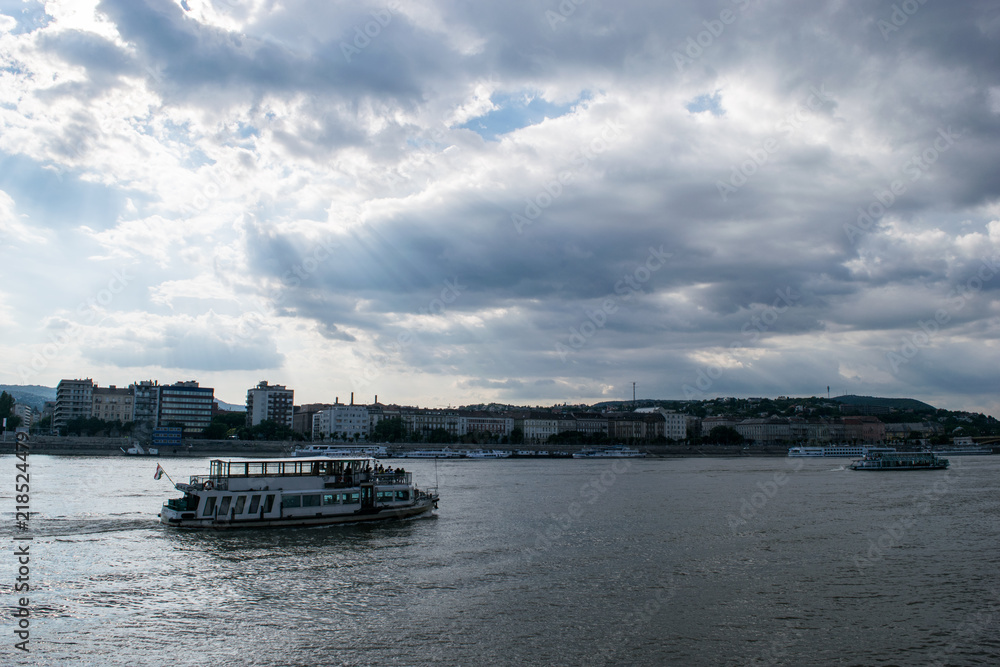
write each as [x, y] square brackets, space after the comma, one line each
[336, 401]
[376, 399]
[352, 398]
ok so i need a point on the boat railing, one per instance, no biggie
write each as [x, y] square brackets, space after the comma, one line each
[340, 480]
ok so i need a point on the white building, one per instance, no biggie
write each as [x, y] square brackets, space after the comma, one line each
[341, 422]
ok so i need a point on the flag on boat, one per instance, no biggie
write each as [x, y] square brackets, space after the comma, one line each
[159, 472]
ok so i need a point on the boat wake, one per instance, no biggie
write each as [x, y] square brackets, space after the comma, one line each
[70, 527]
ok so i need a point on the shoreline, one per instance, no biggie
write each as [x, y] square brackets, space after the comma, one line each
[81, 446]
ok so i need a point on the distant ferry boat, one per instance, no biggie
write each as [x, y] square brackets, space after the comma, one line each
[608, 453]
[486, 454]
[427, 454]
[836, 451]
[340, 450]
[900, 461]
[964, 451]
[257, 493]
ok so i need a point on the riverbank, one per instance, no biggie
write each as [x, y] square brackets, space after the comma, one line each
[83, 446]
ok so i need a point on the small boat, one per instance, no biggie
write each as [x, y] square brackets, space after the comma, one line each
[900, 461]
[257, 493]
[139, 450]
[609, 453]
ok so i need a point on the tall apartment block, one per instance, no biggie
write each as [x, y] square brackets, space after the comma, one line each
[74, 398]
[273, 402]
[187, 405]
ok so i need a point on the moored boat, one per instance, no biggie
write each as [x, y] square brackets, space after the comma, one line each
[487, 454]
[301, 491]
[341, 450]
[445, 453]
[900, 461]
[835, 451]
[609, 453]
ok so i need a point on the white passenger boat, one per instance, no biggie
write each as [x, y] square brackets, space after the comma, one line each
[487, 454]
[609, 453]
[836, 451]
[427, 454]
[302, 491]
[900, 461]
[341, 450]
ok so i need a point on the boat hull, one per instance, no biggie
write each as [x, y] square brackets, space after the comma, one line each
[423, 506]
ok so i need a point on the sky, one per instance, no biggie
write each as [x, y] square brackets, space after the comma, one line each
[531, 202]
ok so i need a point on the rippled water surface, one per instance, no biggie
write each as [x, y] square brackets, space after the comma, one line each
[652, 562]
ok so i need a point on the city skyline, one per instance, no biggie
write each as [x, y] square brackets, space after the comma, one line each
[521, 204]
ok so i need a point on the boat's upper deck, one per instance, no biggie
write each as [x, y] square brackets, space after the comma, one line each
[291, 467]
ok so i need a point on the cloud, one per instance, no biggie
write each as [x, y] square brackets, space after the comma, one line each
[444, 194]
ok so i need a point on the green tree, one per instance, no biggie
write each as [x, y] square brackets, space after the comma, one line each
[439, 435]
[6, 407]
[390, 430]
[517, 436]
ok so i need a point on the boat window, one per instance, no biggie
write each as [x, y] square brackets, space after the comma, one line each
[311, 500]
[269, 503]
[331, 498]
[209, 506]
[241, 501]
[385, 496]
[224, 507]
[254, 503]
[291, 501]
[403, 495]
[352, 498]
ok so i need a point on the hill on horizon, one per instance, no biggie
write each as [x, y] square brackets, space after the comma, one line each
[34, 395]
[897, 403]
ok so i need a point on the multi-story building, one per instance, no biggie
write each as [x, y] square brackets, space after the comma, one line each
[537, 426]
[635, 425]
[480, 421]
[145, 403]
[341, 422]
[74, 398]
[590, 423]
[765, 430]
[112, 404]
[26, 413]
[270, 402]
[187, 405]
[675, 426]
[302, 417]
[422, 422]
[708, 423]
